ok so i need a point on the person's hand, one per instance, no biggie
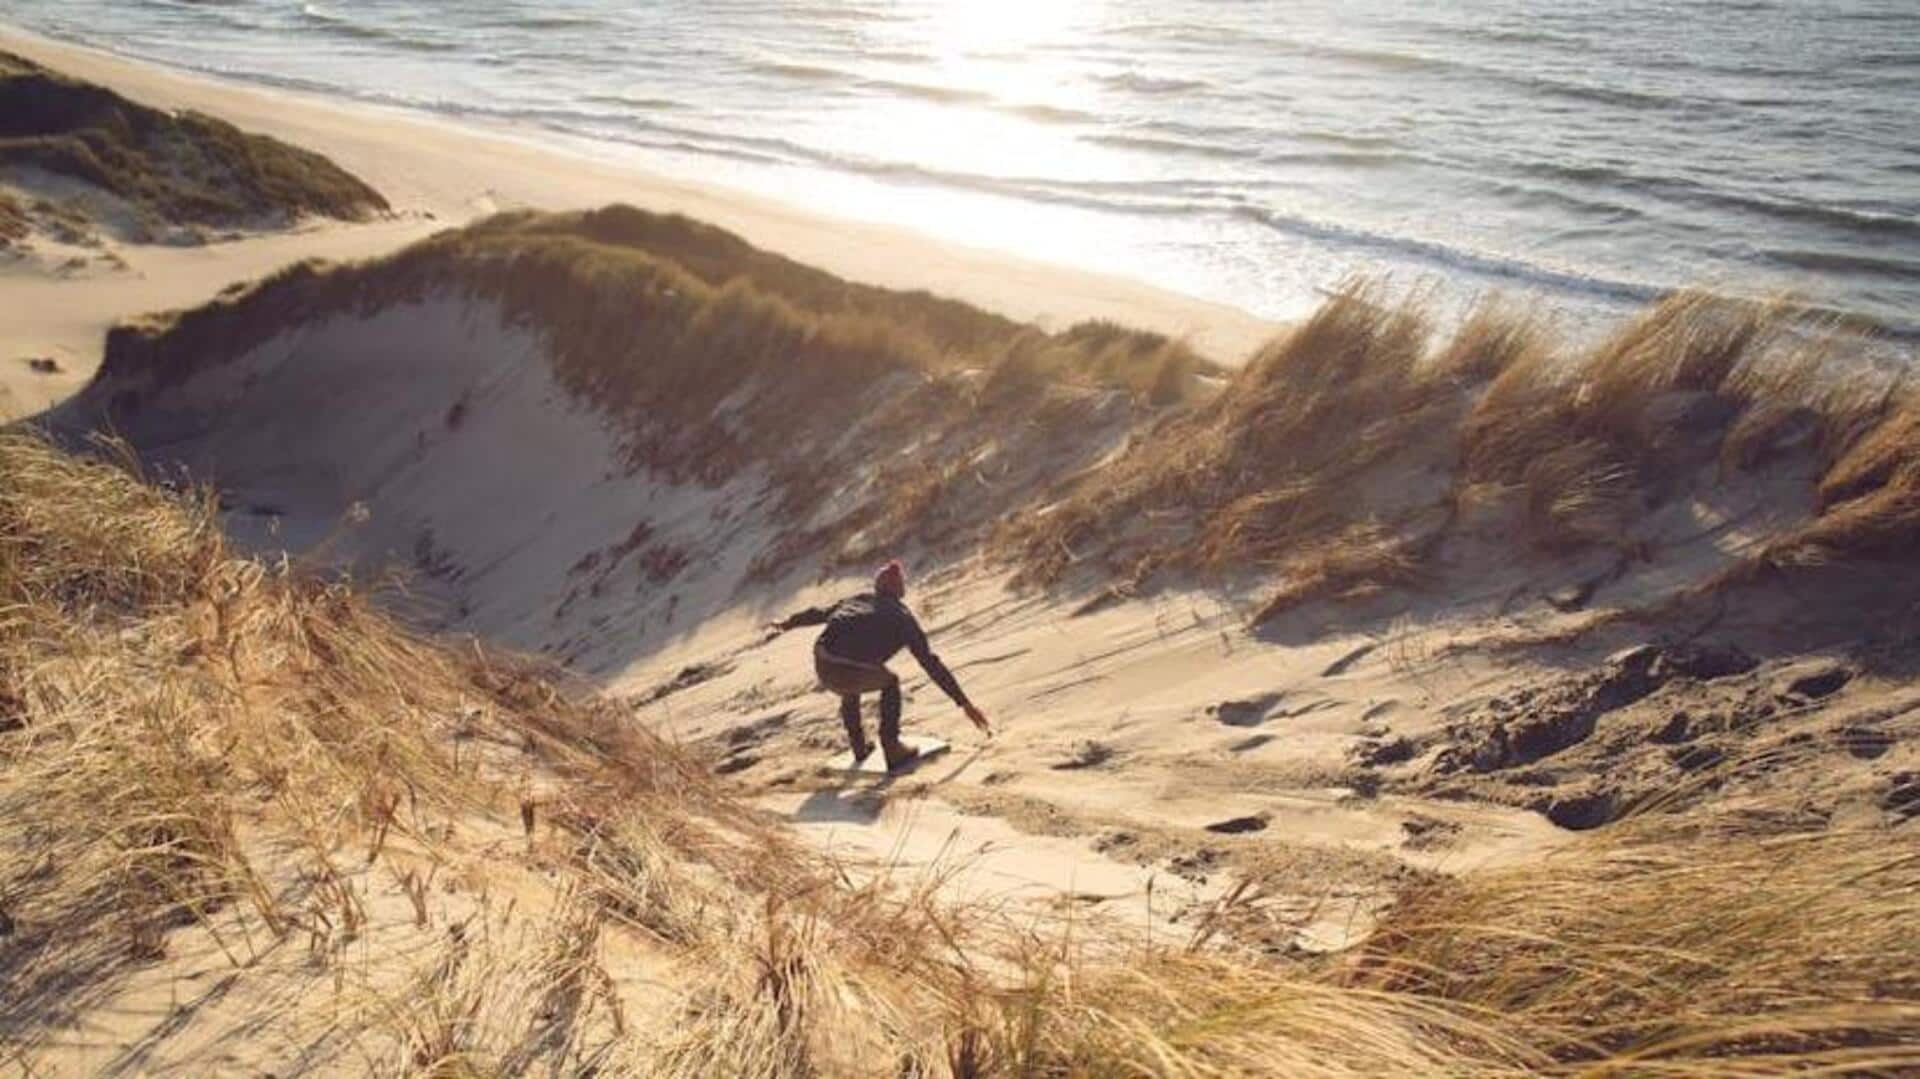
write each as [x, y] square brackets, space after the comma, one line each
[776, 627]
[979, 719]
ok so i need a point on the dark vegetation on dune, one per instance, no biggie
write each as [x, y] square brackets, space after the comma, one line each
[172, 168]
[1350, 448]
[649, 311]
[660, 320]
[1338, 462]
[14, 222]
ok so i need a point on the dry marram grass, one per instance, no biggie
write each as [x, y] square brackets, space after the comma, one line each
[488, 873]
[1340, 456]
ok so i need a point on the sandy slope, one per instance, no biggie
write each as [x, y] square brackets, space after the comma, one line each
[1161, 763]
[440, 927]
[517, 523]
[1151, 752]
[437, 174]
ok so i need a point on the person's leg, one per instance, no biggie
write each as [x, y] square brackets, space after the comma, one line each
[856, 732]
[898, 753]
[850, 679]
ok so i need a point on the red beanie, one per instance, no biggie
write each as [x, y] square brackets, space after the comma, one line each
[892, 578]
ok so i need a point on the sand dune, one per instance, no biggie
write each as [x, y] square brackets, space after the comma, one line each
[154, 176]
[513, 419]
[1310, 813]
[1393, 702]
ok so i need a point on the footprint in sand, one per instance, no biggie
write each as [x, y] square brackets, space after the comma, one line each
[1345, 663]
[1087, 754]
[1308, 708]
[1380, 709]
[1239, 825]
[1248, 744]
[1245, 713]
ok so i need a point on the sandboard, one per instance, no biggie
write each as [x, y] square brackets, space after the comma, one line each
[876, 762]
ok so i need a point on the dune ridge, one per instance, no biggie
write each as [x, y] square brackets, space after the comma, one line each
[149, 174]
[1340, 459]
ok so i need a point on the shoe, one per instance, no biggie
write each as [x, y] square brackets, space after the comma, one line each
[861, 753]
[899, 757]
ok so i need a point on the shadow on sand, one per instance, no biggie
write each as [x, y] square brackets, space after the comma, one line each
[849, 802]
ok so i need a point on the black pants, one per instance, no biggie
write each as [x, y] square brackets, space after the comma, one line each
[850, 678]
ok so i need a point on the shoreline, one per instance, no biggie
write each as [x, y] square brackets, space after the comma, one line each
[439, 174]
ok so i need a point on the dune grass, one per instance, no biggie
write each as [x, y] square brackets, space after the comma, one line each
[1334, 464]
[197, 742]
[14, 222]
[1870, 496]
[1344, 451]
[1695, 384]
[175, 169]
[1244, 477]
[660, 317]
[663, 324]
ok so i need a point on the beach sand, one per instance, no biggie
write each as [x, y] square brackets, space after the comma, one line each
[438, 175]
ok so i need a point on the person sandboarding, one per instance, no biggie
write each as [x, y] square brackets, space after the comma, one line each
[851, 654]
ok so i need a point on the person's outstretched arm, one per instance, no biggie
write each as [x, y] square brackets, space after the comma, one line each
[936, 670]
[812, 616]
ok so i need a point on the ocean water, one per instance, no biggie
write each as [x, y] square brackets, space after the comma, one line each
[1253, 152]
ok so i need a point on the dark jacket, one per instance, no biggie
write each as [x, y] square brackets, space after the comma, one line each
[870, 628]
